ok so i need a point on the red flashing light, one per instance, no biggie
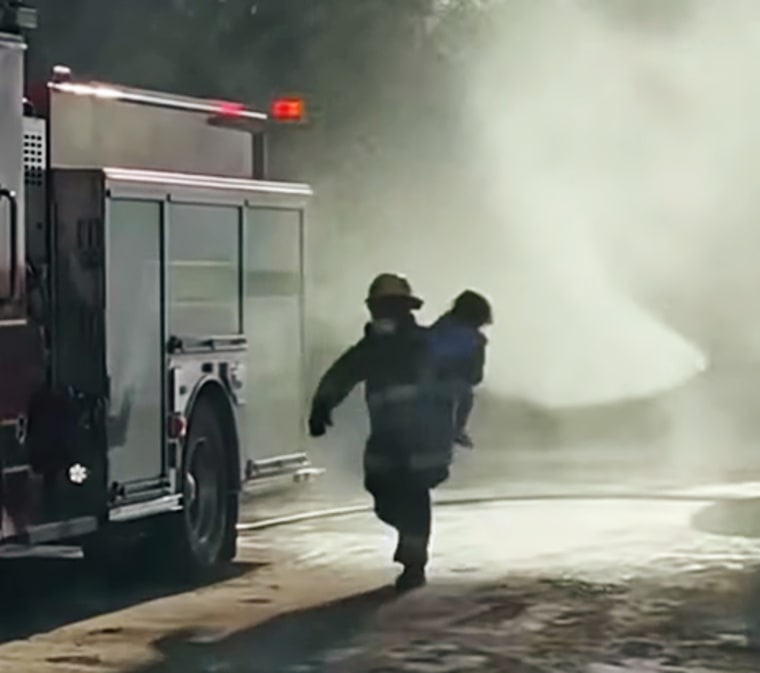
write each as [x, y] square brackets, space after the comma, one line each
[228, 109]
[177, 426]
[288, 109]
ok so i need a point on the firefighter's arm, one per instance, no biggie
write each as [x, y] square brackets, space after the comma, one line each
[338, 381]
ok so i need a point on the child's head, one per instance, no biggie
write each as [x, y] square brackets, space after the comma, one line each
[473, 309]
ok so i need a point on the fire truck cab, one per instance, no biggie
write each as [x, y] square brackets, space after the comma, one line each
[151, 315]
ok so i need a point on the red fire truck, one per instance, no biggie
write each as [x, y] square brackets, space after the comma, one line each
[151, 314]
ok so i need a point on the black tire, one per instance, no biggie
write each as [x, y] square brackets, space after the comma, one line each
[191, 545]
[198, 535]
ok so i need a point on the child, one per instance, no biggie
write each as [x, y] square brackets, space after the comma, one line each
[458, 347]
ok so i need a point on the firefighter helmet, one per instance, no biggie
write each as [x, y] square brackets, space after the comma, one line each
[392, 285]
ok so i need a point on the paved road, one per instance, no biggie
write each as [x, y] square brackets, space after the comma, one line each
[492, 472]
[313, 597]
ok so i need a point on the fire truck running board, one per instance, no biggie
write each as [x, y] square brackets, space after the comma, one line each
[61, 530]
[261, 485]
[138, 510]
[278, 466]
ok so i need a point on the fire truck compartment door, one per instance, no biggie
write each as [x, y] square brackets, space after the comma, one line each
[134, 340]
[273, 320]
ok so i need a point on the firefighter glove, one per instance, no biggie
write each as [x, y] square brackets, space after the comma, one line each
[319, 420]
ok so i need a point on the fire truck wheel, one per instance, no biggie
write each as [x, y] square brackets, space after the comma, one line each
[199, 532]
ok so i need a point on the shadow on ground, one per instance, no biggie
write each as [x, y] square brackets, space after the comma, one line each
[297, 641]
[50, 592]
[526, 623]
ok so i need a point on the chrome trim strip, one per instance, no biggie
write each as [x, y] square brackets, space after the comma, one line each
[169, 503]
[16, 469]
[61, 530]
[166, 178]
[157, 99]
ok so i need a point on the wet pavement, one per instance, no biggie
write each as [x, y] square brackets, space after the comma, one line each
[579, 586]
[488, 471]
[586, 586]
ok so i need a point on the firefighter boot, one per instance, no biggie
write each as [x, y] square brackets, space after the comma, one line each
[413, 577]
[412, 553]
[410, 549]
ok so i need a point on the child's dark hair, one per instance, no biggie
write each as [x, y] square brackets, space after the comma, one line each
[472, 308]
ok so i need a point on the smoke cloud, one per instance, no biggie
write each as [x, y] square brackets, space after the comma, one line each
[616, 149]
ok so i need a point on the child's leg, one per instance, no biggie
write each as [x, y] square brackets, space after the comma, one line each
[464, 407]
[461, 416]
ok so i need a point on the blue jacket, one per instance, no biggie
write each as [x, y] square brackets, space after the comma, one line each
[458, 350]
[411, 420]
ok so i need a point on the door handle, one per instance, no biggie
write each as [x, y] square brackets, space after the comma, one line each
[7, 194]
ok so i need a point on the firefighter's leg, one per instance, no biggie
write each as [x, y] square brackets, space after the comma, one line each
[416, 524]
[384, 488]
[392, 505]
[414, 533]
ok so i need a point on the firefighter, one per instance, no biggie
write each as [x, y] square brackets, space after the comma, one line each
[458, 347]
[409, 448]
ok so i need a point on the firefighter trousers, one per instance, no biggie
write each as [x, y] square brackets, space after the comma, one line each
[402, 500]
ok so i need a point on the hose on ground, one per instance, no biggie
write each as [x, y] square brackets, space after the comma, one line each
[454, 501]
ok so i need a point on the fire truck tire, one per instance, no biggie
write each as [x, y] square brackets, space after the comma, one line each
[199, 534]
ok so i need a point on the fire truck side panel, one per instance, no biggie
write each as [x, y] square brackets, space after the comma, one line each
[11, 178]
[22, 365]
[92, 130]
[79, 362]
[233, 311]
[21, 342]
[79, 390]
[36, 206]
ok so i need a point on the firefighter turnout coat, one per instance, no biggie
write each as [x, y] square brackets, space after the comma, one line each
[411, 414]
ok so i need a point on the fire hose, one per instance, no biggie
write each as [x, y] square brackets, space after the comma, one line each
[454, 501]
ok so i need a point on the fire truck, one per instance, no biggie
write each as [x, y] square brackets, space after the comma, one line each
[151, 314]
